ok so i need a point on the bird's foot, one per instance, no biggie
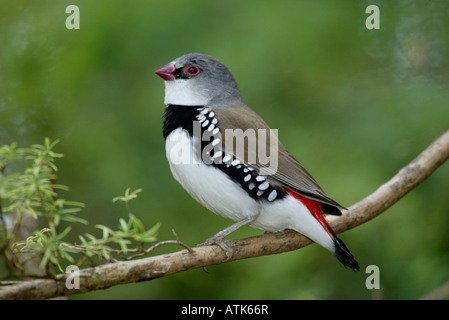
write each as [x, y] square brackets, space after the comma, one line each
[218, 238]
[219, 242]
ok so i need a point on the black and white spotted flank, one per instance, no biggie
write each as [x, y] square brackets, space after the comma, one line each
[256, 185]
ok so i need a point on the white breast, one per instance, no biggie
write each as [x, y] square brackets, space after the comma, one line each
[207, 184]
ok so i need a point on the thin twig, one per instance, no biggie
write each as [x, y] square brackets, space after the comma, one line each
[162, 243]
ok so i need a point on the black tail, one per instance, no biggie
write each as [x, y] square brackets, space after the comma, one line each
[343, 255]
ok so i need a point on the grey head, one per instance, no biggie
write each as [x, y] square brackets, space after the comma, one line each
[199, 80]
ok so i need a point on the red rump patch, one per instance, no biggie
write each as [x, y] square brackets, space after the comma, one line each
[315, 209]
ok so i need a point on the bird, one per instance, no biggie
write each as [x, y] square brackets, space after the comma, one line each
[204, 115]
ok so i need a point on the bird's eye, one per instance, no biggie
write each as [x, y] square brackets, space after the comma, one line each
[192, 70]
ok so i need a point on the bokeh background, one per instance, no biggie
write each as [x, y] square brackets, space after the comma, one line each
[353, 105]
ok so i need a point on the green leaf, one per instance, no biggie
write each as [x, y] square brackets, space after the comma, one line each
[106, 231]
[137, 224]
[46, 258]
[128, 196]
[105, 253]
[123, 225]
[63, 233]
[60, 187]
[74, 204]
[71, 218]
[83, 240]
[57, 219]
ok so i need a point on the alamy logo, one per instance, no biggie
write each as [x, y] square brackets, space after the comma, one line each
[254, 147]
[73, 20]
[373, 20]
[373, 280]
[73, 277]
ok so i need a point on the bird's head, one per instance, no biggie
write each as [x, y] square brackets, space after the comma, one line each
[199, 80]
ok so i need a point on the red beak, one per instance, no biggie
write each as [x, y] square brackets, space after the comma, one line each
[167, 72]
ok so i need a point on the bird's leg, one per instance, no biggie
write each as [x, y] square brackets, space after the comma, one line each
[218, 238]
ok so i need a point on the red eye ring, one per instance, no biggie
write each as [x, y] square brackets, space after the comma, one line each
[192, 70]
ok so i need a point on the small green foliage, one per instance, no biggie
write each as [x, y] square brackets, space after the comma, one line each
[128, 196]
[35, 193]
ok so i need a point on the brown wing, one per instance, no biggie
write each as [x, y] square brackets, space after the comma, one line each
[287, 172]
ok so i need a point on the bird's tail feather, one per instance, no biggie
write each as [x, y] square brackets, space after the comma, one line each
[344, 255]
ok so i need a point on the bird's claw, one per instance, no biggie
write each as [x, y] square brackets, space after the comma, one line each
[219, 242]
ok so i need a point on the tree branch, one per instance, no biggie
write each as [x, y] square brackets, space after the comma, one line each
[122, 272]
[439, 293]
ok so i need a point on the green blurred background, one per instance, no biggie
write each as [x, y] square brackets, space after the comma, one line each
[353, 105]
